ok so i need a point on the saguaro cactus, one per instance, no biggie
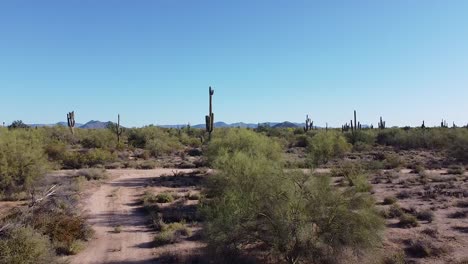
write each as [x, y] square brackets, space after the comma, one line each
[309, 124]
[423, 126]
[381, 124]
[71, 121]
[443, 124]
[209, 119]
[118, 130]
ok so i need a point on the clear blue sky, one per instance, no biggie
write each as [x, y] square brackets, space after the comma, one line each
[152, 61]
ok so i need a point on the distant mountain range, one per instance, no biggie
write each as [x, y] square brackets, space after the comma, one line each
[94, 124]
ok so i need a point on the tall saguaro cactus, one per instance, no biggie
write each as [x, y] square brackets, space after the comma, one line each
[209, 119]
[118, 130]
[381, 124]
[71, 121]
[309, 124]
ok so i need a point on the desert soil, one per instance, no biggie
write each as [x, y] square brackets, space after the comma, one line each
[121, 229]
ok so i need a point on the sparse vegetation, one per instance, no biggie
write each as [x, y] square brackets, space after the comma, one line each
[407, 221]
[251, 191]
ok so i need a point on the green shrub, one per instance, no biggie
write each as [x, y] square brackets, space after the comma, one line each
[55, 150]
[425, 215]
[389, 200]
[147, 165]
[354, 175]
[157, 141]
[22, 162]
[423, 248]
[97, 138]
[395, 211]
[171, 233]
[407, 221]
[164, 238]
[393, 161]
[395, 258]
[298, 217]
[457, 170]
[362, 139]
[65, 230]
[243, 140]
[91, 158]
[164, 198]
[325, 146]
[23, 245]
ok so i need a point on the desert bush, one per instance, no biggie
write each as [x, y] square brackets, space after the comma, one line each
[147, 165]
[91, 158]
[65, 229]
[92, 174]
[423, 248]
[164, 198]
[193, 196]
[395, 258]
[171, 233]
[17, 124]
[230, 141]
[113, 166]
[459, 214]
[404, 194]
[361, 139]
[55, 150]
[157, 141]
[97, 138]
[325, 146]
[457, 170]
[395, 211]
[354, 176]
[393, 161]
[389, 200]
[297, 216]
[431, 232]
[425, 215]
[22, 162]
[407, 221]
[23, 245]
[461, 204]
[458, 148]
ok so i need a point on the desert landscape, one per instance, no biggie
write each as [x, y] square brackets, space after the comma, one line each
[233, 132]
[158, 195]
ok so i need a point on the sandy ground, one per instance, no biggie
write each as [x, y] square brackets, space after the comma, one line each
[115, 206]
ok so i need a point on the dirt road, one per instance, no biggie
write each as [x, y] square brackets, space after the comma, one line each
[122, 235]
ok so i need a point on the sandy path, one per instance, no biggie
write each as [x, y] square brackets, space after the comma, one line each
[116, 204]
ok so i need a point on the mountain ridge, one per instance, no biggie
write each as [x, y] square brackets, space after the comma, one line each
[96, 124]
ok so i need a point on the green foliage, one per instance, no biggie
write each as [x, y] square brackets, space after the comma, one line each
[65, 228]
[17, 124]
[434, 138]
[299, 217]
[91, 158]
[425, 215]
[157, 141]
[164, 198]
[22, 161]
[97, 138]
[363, 139]
[227, 142]
[389, 200]
[23, 245]
[327, 145]
[354, 175]
[407, 221]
